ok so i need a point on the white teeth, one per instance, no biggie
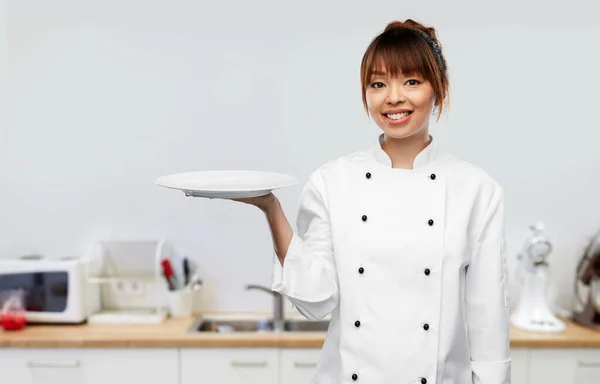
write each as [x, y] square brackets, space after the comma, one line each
[397, 116]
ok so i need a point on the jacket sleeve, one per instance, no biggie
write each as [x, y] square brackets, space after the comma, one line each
[487, 310]
[308, 277]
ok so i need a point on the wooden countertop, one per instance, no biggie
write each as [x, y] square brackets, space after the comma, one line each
[173, 334]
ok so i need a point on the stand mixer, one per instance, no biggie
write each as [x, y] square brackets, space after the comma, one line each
[532, 312]
[588, 274]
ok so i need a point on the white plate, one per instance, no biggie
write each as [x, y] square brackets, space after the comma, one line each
[226, 184]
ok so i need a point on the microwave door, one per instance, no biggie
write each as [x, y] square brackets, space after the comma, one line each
[43, 291]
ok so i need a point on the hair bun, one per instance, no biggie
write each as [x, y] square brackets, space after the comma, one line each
[410, 23]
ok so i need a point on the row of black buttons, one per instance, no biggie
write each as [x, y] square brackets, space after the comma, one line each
[357, 324]
[355, 377]
[427, 271]
[430, 222]
[432, 176]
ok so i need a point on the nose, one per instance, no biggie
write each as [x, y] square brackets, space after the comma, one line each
[394, 95]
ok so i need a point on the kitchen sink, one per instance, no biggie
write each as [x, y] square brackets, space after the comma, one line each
[214, 325]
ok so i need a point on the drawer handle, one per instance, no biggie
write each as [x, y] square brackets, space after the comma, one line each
[300, 364]
[53, 364]
[249, 363]
[587, 364]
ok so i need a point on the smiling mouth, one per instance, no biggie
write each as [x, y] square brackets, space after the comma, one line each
[397, 116]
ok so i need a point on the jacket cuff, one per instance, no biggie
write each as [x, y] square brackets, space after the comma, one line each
[302, 275]
[493, 372]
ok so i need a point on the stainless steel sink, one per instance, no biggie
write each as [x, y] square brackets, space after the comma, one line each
[255, 325]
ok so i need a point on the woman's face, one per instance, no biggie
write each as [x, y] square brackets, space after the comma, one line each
[388, 98]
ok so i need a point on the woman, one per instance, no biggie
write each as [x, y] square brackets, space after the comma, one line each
[402, 243]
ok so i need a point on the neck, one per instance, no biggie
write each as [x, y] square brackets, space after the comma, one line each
[403, 151]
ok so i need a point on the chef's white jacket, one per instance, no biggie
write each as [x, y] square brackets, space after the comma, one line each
[410, 264]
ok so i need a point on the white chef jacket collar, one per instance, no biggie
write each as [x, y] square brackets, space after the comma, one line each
[426, 156]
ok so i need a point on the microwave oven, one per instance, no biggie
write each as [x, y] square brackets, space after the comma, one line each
[54, 290]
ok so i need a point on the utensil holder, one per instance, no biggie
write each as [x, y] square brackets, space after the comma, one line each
[181, 302]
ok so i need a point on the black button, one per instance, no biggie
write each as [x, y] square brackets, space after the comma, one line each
[361, 270]
[357, 323]
[430, 222]
[426, 326]
[364, 218]
[368, 175]
[355, 377]
[427, 271]
[432, 176]
[423, 381]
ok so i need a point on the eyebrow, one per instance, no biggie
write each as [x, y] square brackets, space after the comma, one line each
[402, 74]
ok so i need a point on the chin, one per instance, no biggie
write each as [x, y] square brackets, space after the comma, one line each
[398, 132]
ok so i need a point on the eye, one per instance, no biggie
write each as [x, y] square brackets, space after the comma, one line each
[416, 81]
[377, 84]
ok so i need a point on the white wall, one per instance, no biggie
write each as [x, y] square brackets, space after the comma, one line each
[109, 96]
[3, 98]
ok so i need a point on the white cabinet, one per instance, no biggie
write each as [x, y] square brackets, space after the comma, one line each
[230, 366]
[88, 366]
[245, 365]
[519, 362]
[298, 366]
[564, 366]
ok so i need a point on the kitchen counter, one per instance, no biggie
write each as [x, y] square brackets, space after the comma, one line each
[173, 334]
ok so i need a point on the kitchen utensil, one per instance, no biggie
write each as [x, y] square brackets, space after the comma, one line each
[226, 184]
[169, 274]
[532, 312]
[186, 271]
[588, 275]
[195, 283]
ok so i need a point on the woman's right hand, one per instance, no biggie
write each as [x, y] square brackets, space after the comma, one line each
[264, 202]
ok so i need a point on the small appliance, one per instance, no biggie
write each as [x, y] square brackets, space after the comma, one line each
[52, 290]
[588, 275]
[532, 312]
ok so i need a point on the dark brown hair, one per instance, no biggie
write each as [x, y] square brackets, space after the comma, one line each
[412, 49]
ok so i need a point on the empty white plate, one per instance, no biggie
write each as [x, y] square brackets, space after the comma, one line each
[226, 184]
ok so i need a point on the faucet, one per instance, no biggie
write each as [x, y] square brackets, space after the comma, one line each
[278, 318]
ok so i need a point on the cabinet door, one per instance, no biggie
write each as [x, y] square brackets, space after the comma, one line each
[519, 365]
[298, 366]
[127, 366]
[565, 366]
[30, 366]
[230, 366]
[88, 366]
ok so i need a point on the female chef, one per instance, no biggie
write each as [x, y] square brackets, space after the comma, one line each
[402, 243]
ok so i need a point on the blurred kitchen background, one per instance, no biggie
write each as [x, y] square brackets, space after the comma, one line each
[98, 99]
